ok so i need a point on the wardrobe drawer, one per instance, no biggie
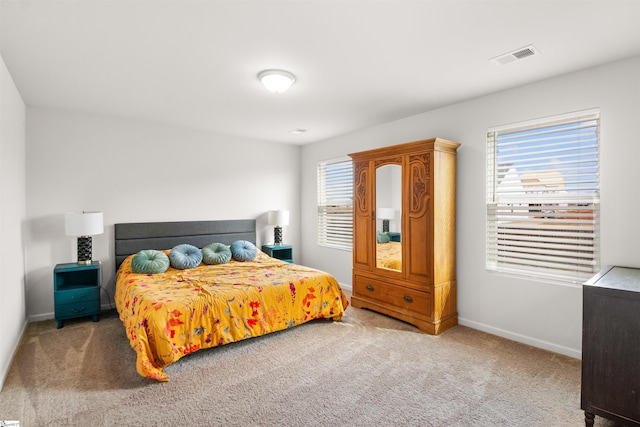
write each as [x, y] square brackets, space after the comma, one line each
[392, 295]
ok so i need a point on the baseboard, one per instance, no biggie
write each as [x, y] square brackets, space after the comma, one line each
[41, 317]
[107, 307]
[16, 345]
[345, 286]
[576, 354]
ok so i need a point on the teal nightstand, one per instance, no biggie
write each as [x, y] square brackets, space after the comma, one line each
[76, 291]
[281, 252]
[394, 236]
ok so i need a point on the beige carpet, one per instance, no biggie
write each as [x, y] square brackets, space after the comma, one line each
[368, 370]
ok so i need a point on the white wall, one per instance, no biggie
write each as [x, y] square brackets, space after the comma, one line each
[135, 171]
[12, 216]
[541, 314]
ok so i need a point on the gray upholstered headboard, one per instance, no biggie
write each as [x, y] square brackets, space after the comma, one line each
[131, 238]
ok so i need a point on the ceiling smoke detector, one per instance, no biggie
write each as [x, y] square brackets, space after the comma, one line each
[516, 55]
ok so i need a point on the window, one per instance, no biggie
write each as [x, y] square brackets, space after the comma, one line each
[335, 203]
[543, 198]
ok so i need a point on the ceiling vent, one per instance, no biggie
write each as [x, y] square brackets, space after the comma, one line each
[516, 55]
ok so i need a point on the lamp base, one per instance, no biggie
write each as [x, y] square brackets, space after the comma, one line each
[385, 225]
[84, 250]
[277, 235]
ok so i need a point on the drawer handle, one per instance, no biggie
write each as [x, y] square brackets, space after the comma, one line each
[407, 298]
[78, 311]
[369, 287]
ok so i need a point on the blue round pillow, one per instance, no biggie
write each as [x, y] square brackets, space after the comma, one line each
[216, 253]
[185, 256]
[149, 261]
[243, 250]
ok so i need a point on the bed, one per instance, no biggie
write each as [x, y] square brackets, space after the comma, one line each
[171, 314]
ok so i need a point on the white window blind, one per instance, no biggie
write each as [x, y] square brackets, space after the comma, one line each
[335, 203]
[543, 199]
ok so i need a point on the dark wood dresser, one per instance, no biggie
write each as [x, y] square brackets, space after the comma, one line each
[611, 346]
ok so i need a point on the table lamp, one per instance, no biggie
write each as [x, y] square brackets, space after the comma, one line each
[385, 214]
[83, 226]
[278, 218]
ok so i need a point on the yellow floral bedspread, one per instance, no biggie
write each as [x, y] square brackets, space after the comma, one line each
[389, 255]
[172, 314]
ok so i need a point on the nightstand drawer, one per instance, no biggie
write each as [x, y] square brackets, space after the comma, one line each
[390, 294]
[77, 295]
[78, 309]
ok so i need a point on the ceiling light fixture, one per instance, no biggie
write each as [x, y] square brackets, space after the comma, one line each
[277, 81]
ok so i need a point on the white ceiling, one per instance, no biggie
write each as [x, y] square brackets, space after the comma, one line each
[358, 63]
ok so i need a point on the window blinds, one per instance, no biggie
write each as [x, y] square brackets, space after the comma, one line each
[543, 198]
[335, 204]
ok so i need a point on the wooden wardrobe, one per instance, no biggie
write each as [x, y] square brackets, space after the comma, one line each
[404, 232]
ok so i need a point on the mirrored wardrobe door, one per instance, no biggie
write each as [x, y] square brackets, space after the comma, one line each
[388, 216]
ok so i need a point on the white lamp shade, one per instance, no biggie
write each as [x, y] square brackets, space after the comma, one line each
[279, 217]
[84, 224]
[386, 213]
[276, 81]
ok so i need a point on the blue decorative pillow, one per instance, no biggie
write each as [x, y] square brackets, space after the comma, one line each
[216, 253]
[383, 237]
[243, 250]
[150, 261]
[185, 256]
